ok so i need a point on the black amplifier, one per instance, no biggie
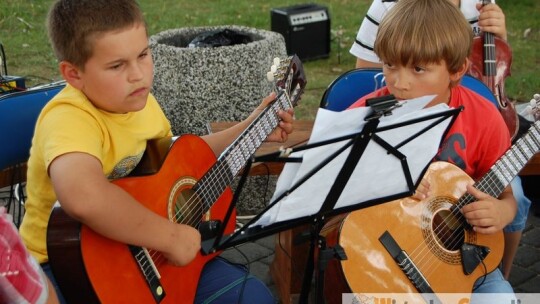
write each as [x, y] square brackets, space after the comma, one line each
[306, 28]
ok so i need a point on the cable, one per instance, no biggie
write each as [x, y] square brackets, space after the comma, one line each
[483, 277]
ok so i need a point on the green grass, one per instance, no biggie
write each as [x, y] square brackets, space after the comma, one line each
[23, 35]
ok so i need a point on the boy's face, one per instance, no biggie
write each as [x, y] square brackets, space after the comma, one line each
[407, 82]
[118, 76]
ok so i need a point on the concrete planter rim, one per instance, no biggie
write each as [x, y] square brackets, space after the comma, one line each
[179, 38]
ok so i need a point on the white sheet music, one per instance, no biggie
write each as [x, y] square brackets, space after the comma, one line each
[378, 174]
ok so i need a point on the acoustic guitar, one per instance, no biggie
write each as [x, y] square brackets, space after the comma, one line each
[181, 180]
[410, 246]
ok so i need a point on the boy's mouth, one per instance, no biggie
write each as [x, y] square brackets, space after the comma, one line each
[139, 92]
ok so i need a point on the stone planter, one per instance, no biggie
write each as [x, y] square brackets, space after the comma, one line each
[198, 85]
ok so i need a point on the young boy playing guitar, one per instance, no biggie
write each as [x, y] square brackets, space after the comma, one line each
[424, 46]
[96, 130]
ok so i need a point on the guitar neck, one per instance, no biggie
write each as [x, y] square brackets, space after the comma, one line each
[233, 159]
[508, 166]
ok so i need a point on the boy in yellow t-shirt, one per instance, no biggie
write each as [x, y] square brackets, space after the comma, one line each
[96, 130]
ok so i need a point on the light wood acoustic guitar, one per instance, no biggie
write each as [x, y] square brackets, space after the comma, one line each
[410, 246]
[181, 180]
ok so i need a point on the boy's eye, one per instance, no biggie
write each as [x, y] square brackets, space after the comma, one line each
[143, 55]
[419, 69]
[115, 66]
[388, 65]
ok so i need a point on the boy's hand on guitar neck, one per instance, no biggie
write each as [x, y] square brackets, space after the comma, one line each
[487, 214]
[492, 19]
[285, 126]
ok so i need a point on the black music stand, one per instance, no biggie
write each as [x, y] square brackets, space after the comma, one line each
[352, 148]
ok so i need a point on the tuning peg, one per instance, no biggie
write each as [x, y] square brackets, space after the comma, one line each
[273, 68]
[270, 76]
[533, 102]
[277, 61]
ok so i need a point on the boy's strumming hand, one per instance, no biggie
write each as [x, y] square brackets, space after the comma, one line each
[185, 243]
[422, 191]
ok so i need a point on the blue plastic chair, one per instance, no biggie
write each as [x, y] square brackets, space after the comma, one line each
[351, 86]
[18, 114]
[354, 84]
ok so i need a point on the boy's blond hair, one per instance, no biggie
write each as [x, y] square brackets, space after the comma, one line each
[74, 24]
[417, 32]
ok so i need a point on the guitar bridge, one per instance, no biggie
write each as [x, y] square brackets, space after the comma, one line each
[405, 263]
[149, 272]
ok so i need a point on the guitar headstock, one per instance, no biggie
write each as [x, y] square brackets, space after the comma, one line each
[288, 76]
[533, 109]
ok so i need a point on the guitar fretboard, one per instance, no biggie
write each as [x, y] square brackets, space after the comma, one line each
[508, 166]
[233, 159]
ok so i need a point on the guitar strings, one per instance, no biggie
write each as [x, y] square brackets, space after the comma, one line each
[489, 184]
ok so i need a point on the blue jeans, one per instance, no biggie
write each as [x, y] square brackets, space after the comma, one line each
[223, 282]
[492, 288]
[523, 205]
[47, 269]
[220, 282]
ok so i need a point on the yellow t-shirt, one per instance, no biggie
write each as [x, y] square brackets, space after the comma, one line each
[70, 123]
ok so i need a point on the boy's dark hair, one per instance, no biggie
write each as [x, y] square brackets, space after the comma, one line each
[74, 24]
[417, 32]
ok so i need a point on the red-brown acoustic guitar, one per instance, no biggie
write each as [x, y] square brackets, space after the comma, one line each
[179, 179]
[411, 247]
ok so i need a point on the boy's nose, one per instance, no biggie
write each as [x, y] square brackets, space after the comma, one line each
[135, 73]
[401, 81]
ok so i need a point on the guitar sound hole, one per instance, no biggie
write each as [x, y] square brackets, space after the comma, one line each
[188, 208]
[448, 230]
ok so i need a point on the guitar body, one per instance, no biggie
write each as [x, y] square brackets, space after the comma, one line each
[416, 227]
[109, 265]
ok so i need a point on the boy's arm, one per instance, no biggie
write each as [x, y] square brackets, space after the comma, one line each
[488, 214]
[220, 140]
[86, 195]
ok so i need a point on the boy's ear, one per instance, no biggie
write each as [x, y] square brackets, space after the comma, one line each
[71, 74]
[456, 77]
